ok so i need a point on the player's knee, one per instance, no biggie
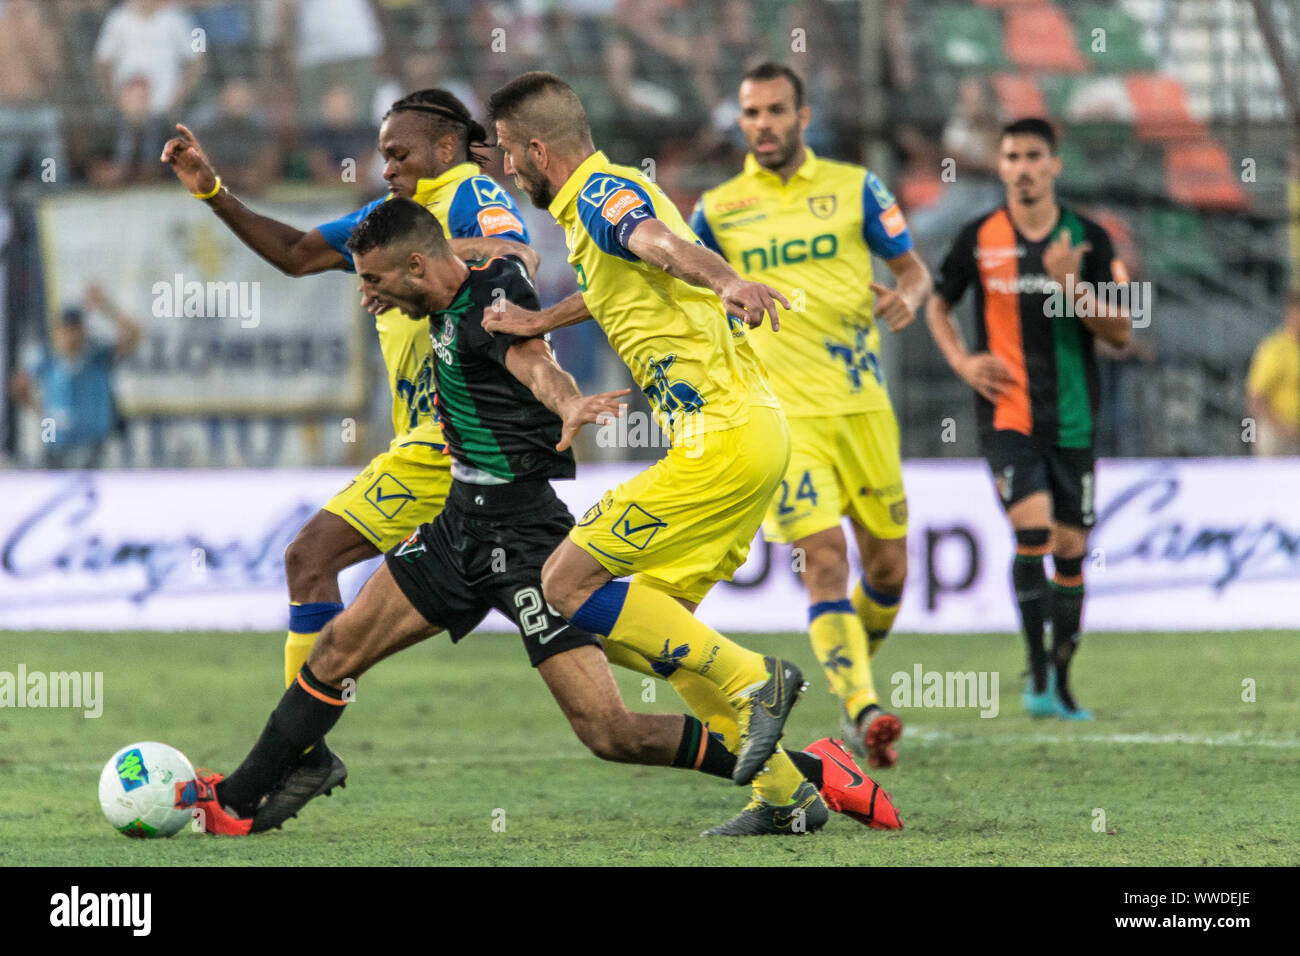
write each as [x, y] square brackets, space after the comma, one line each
[887, 572]
[826, 569]
[558, 592]
[303, 564]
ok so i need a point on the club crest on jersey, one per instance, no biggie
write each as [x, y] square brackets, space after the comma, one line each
[823, 207]
[443, 341]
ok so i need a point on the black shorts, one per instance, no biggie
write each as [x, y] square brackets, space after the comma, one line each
[1022, 466]
[486, 550]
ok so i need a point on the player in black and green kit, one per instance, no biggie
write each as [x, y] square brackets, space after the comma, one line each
[1037, 269]
[509, 413]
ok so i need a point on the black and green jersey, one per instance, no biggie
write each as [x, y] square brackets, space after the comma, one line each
[491, 421]
[1021, 317]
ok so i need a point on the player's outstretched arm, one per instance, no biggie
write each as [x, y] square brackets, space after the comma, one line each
[533, 363]
[983, 371]
[653, 242]
[898, 307]
[292, 251]
[506, 316]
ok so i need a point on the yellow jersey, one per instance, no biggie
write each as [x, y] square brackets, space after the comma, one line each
[467, 203]
[1275, 375]
[692, 360]
[811, 239]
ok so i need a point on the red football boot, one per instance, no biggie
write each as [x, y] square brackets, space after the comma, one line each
[200, 795]
[873, 736]
[847, 790]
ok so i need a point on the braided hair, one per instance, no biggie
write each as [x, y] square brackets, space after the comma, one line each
[446, 114]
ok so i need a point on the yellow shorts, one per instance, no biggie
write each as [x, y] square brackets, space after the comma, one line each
[687, 522]
[400, 490]
[841, 465]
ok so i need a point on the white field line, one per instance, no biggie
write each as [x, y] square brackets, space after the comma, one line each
[912, 735]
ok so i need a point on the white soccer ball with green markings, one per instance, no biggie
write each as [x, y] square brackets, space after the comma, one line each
[139, 787]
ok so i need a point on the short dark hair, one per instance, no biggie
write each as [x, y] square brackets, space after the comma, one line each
[557, 117]
[399, 221]
[1033, 126]
[506, 101]
[770, 70]
[446, 114]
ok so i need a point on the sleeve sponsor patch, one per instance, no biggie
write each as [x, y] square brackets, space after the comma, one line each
[878, 189]
[495, 220]
[620, 204]
[893, 222]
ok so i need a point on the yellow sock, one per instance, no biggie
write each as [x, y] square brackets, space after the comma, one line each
[648, 615]
[708, 704]
[297, 648]
[306, 621]
[876, 612]
[840, 644]
[782, 779]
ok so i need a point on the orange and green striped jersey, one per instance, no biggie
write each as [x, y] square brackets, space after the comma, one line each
[1020, 317]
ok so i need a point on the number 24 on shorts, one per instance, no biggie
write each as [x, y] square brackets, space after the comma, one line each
[804, 492]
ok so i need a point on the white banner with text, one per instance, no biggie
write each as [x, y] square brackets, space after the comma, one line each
[1179, 545]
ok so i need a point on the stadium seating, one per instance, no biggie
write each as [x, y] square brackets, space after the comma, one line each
[969, 38]
[1042, 38]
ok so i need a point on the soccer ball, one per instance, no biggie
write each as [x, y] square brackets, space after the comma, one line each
[138, 788]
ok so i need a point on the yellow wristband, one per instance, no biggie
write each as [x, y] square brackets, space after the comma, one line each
[215, 189]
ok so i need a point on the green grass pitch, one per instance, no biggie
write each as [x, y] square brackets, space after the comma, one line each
[443, 742]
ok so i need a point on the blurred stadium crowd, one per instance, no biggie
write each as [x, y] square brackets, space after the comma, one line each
[1176, 137]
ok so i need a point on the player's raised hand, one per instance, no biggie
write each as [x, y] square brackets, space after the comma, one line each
[751, 301]
[186, 158]
[1062, 259]
[892, 308]
[987, 374]
[504, 316]
[590, 410]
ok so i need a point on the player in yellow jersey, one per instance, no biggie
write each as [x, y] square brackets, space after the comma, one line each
[427, 140]
[687, 522]
[808, 226]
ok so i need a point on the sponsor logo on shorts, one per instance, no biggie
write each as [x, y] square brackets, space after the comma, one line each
[411, 544]
[637, 526]
[1005, 483]
[388, 495]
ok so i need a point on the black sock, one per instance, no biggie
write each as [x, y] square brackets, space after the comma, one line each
[701, 751]
[810, 765]
[1067, 613]
[300, 720]
[1032, 595]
